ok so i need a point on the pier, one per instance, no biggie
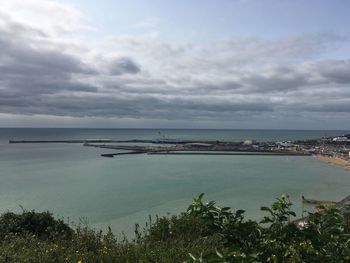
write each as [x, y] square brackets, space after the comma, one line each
[317, 202]
[341, 205]
[124, 153]
[63, 141]
[103, 141]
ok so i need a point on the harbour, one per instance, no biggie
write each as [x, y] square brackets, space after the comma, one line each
[73, 180]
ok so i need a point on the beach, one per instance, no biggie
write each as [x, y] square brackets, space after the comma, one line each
[334, 160]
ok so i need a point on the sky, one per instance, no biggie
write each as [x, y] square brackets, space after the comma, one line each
[224, 64]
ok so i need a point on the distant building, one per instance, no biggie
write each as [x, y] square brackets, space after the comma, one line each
[341, 139]
[285, 144]
[248, 142]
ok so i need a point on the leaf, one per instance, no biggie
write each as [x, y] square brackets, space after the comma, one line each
[219, 254]
[266, 220]
[292, 213]
[264, 208]
[240, 212]
[192, 257]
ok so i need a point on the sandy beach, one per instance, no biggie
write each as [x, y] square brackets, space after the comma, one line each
[334, 160]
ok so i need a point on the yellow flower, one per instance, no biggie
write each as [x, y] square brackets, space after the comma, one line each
[79, 261]
[283, 196]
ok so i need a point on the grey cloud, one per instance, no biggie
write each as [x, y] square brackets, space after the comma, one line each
[275, 82]
[337, 71]
[250, 50]
[342, 106]
[12, 29]
[237, 79]
[134, 106]
[29, 69]
[123, 66]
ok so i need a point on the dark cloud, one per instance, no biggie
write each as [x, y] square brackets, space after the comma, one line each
[338, 106]
[26, 69]
[123, 66]
[275, 82]
[337, 71]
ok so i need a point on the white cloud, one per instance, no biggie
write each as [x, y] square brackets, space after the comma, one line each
[49, 15]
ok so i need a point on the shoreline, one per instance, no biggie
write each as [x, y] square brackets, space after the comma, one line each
[335, 161]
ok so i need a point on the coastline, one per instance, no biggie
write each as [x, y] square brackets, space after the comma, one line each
[335, 161]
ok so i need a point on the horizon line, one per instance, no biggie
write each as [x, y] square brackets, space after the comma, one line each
[160, 128]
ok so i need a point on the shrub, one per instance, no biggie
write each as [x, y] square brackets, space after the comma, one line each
[43, 225]
[204, 233]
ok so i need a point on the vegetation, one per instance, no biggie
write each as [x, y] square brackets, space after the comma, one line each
[204, 233]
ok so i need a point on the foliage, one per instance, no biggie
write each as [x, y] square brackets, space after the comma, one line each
[325, 236]
[43, 225]
[204, 233]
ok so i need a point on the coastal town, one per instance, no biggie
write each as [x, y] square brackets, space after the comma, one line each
[334, 150]
[327, 146]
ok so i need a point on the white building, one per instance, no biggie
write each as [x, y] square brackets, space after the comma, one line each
[341, 139]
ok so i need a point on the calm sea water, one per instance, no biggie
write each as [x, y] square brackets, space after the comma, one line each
[74, 182]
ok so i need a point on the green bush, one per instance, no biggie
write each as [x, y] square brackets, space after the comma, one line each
[325, 236]
[204, 233]
[43, 225]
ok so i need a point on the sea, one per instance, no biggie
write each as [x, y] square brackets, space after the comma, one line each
[78, 185]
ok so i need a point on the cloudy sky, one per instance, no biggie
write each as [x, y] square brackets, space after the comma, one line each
[175, 64]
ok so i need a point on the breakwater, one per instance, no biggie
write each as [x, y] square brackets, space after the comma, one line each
[184, 147]
[123, 153]
[103, 141]
[63, 141]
